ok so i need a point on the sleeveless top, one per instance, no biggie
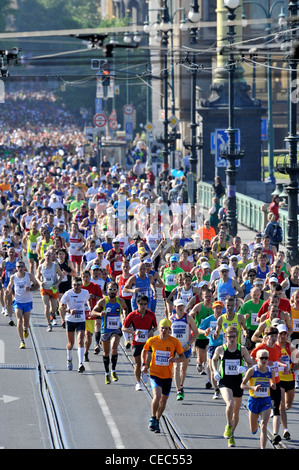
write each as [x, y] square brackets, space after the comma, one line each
[224, 289]
[234, 322]
[49, 275]
[111, 320]
[180, 328]
[32, 242]
[230, 363]
[75, 248]
[144, 287]
[121, 283]
[21, 295]
[263, 379]
[9, 267]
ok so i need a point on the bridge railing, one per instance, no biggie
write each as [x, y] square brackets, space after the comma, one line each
[250, 212]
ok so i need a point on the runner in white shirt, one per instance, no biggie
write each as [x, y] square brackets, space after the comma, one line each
[72, 310]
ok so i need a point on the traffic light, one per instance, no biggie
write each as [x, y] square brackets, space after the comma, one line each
[105, 74]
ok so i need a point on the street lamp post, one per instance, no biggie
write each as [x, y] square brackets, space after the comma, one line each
[194, 17]
[165, 26]
[268, 11]
[231, 153]
[292, 169]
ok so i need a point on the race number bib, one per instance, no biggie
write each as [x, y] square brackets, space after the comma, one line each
[162, 358]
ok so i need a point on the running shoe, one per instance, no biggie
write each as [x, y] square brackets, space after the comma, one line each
[231, 442]
[127, 344]
[138, 387]
[69, 364]
[81, 368]
[22, 345]
[107, 379]
[152, 424]
[114, 376]
[208, 385]
[276, 439]
[49, 327]
[86, 358]
[96, 349]
[227, 432]
[199, 368]
[26, 333]
[286, 435]
[179, 395]
[11, 322]
[157, 430]
[63, 324]
[216, 395]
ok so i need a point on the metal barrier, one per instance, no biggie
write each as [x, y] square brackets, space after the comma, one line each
[250, 212]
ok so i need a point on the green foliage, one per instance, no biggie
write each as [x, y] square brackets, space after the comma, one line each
[5, 10]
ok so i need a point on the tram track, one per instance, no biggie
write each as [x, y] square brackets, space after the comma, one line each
[174, 437]
[57, 435]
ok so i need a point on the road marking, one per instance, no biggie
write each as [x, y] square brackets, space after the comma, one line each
[110, 421]
[8, 399]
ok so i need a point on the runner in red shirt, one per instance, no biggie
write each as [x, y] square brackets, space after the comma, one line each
[115, 257]
[141, 323]
[283, 305]
[95, 294]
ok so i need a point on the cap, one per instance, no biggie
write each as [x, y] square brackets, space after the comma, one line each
[203, 283]
[147, 260]
[276, 322]
[142, 250]
[99, 250]
[173, 258]
[165, 322]
[282, 328]
[115, 240]
[178, 302]
[224, 267]
[95, 266]
[257, 245]
[205, 265]
[217, 303]
[273, 279]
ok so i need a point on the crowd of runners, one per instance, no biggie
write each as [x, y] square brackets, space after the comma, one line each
[102, 248]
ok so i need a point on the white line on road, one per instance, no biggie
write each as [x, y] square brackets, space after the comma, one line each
[110, 421]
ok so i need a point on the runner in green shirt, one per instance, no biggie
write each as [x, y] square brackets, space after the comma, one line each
[250, 310]
[200, 312]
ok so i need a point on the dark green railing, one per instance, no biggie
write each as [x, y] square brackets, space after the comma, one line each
[250, 212]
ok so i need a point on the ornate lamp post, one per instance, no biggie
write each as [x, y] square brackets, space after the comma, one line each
[231, 153]
[194, 17]
[292, 169]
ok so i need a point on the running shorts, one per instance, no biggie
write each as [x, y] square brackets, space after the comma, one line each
[89, 326]
[107, 336]
[72, 326]
[257, 405]
[50, 293]
[165, 384]
[25, 307]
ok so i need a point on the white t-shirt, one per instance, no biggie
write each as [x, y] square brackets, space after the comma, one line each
[76, 302]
